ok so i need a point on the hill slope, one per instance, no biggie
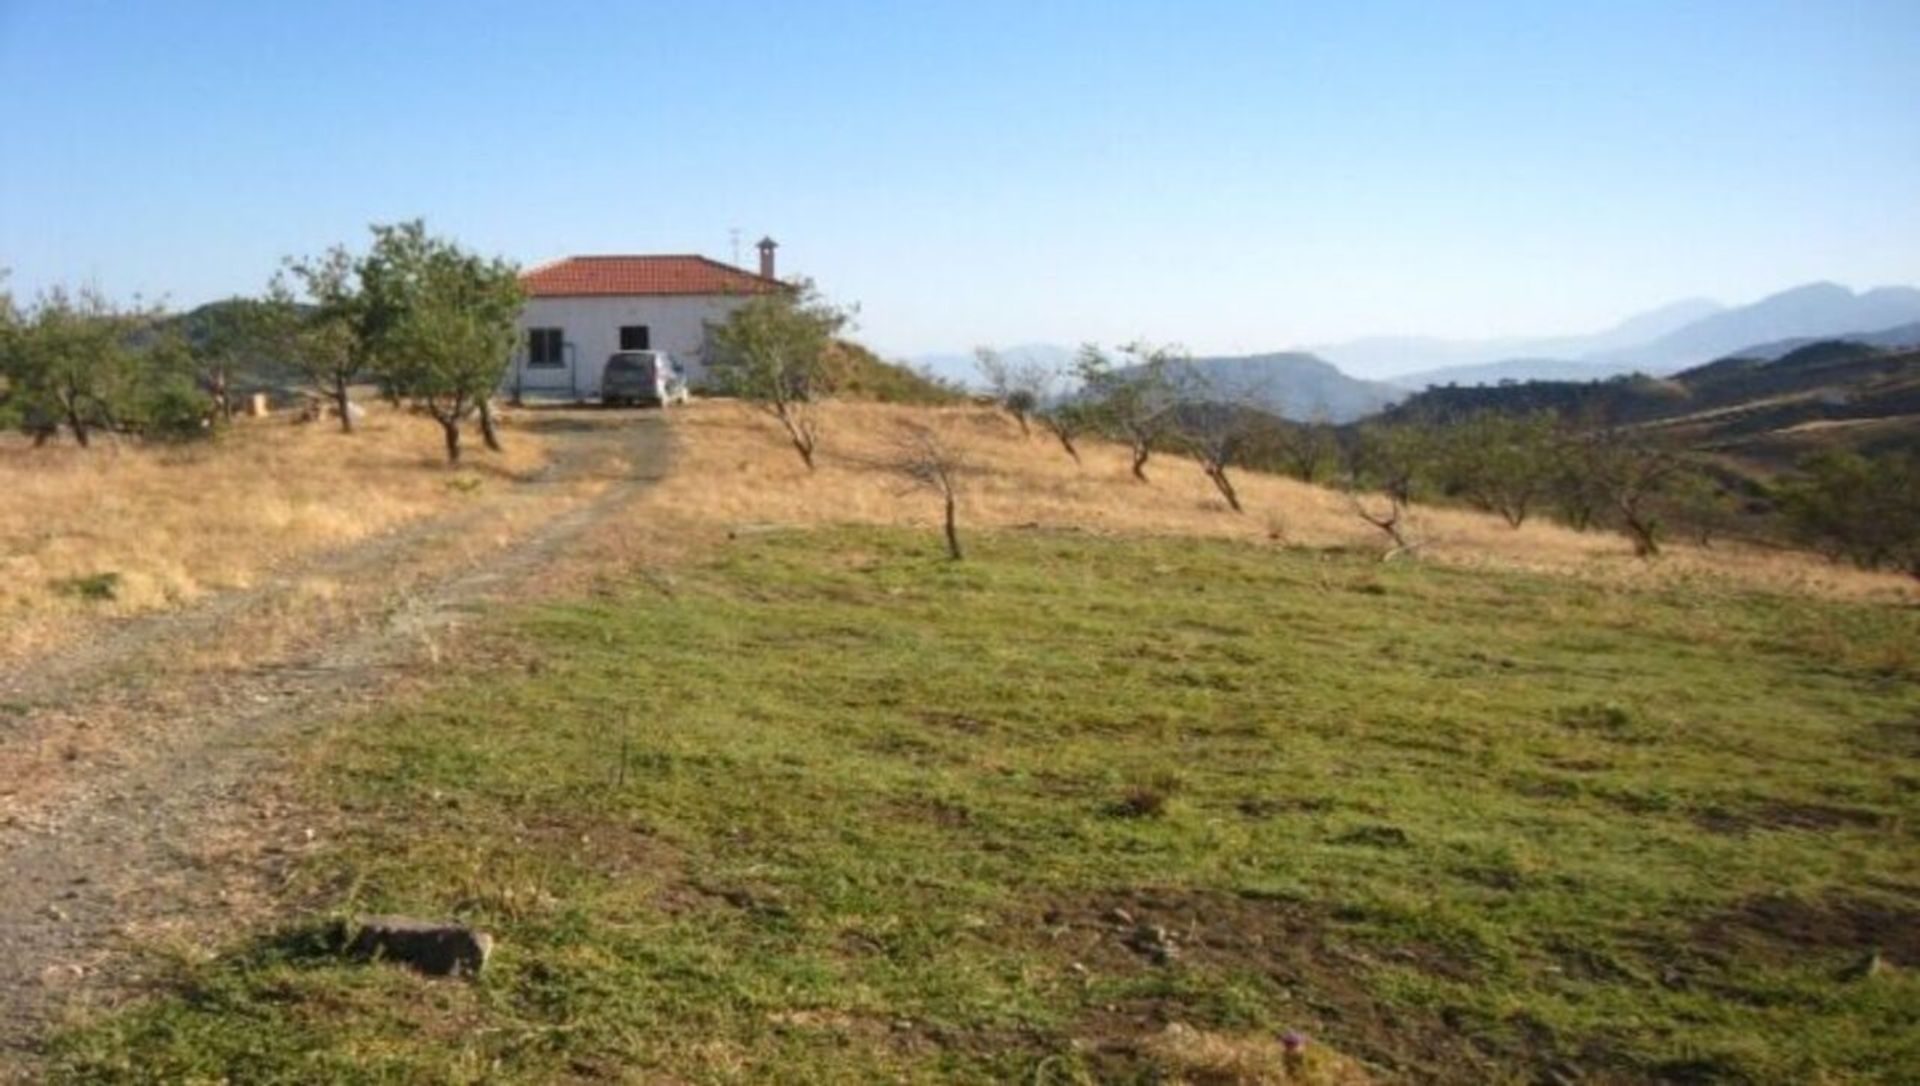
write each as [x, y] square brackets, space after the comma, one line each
[1296, 386]
[1762, 413]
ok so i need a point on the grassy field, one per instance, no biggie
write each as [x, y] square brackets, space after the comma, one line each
[123, 529]
[821, 807]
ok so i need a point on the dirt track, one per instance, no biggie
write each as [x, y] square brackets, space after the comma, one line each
[132, 763]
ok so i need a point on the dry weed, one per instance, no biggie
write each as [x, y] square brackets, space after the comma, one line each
[118, 530]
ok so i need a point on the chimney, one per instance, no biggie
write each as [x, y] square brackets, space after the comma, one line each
[767, 246]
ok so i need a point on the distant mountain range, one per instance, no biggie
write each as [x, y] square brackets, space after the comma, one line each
[1419, 358]
[1802, 315]
[1674, 337]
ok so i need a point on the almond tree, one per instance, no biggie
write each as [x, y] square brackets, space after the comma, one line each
[1134, 400]
[770, 352]
[336, 333]
[72, 360]
[1020, 388]
[1387, 459]
[929, 462]
[452, 333]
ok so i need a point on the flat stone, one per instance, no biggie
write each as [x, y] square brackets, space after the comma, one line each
[436, 948]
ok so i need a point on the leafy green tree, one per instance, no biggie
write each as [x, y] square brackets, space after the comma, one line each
[333, 334]
[1502, 463]
[1305, 450]
[1630, 473]
[451, 333]
[1866, 509]
[771, 352]
[74, 360]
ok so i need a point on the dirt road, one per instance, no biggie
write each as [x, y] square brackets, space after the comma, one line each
[137, 769]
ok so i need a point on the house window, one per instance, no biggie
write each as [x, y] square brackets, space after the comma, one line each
[634, 337]
[544, 347]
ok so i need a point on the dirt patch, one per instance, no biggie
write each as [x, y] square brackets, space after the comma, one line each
[1899, 738]
[1786, 930]
[956, 722]
[1780, 815]
[1266, 807]
[1314, 964]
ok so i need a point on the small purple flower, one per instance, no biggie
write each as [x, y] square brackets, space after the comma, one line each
[1293, 1042]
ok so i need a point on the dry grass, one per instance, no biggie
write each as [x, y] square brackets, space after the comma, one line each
[1199, 1058]
[154, 527]
[736, 473]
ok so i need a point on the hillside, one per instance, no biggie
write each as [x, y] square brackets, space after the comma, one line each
[1130, 793]
[1764, 414]
[1295, 386]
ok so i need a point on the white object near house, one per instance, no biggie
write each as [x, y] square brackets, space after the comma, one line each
[582, 310]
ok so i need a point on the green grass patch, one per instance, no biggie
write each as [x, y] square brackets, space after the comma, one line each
[827, 808]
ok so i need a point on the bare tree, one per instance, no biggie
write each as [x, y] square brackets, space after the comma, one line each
[1387, 460]
[1066, 422]
[1020, 388]
[1134, 400]
[927, 461]
[771, 352]
[1217, 425]
[1631, 472]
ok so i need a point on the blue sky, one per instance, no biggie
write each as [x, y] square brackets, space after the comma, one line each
[1226, 176]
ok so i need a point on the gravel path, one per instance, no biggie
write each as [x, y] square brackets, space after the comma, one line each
[129, 764]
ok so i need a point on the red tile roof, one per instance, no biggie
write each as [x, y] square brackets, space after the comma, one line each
[585, 275]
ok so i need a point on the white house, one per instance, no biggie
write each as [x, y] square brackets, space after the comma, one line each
[582, 309]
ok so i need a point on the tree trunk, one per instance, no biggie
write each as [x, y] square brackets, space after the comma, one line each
[1218, 473]
[1641, 530]
[222, 396]
[1140, 454]
[343, 403]
[953, 531]
[1021, 418]
[489, 434]
[78, 425]
[450, 426]
[1066, 442]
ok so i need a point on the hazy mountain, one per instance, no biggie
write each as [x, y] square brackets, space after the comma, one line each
[1296, 386]
[1899, 336]
[1773, 325]
[1424, 360]
[1814, 311]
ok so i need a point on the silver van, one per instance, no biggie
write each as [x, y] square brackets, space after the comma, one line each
[647, 378]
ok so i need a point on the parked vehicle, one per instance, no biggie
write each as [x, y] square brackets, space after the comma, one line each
[649, 378]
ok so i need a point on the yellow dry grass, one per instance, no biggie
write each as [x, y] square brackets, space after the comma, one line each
[1193, 1057]
[170, 524]
[735, 471]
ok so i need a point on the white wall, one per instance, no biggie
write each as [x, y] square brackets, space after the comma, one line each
[590, 326]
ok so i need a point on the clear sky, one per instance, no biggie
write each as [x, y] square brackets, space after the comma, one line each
[1230, 176]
